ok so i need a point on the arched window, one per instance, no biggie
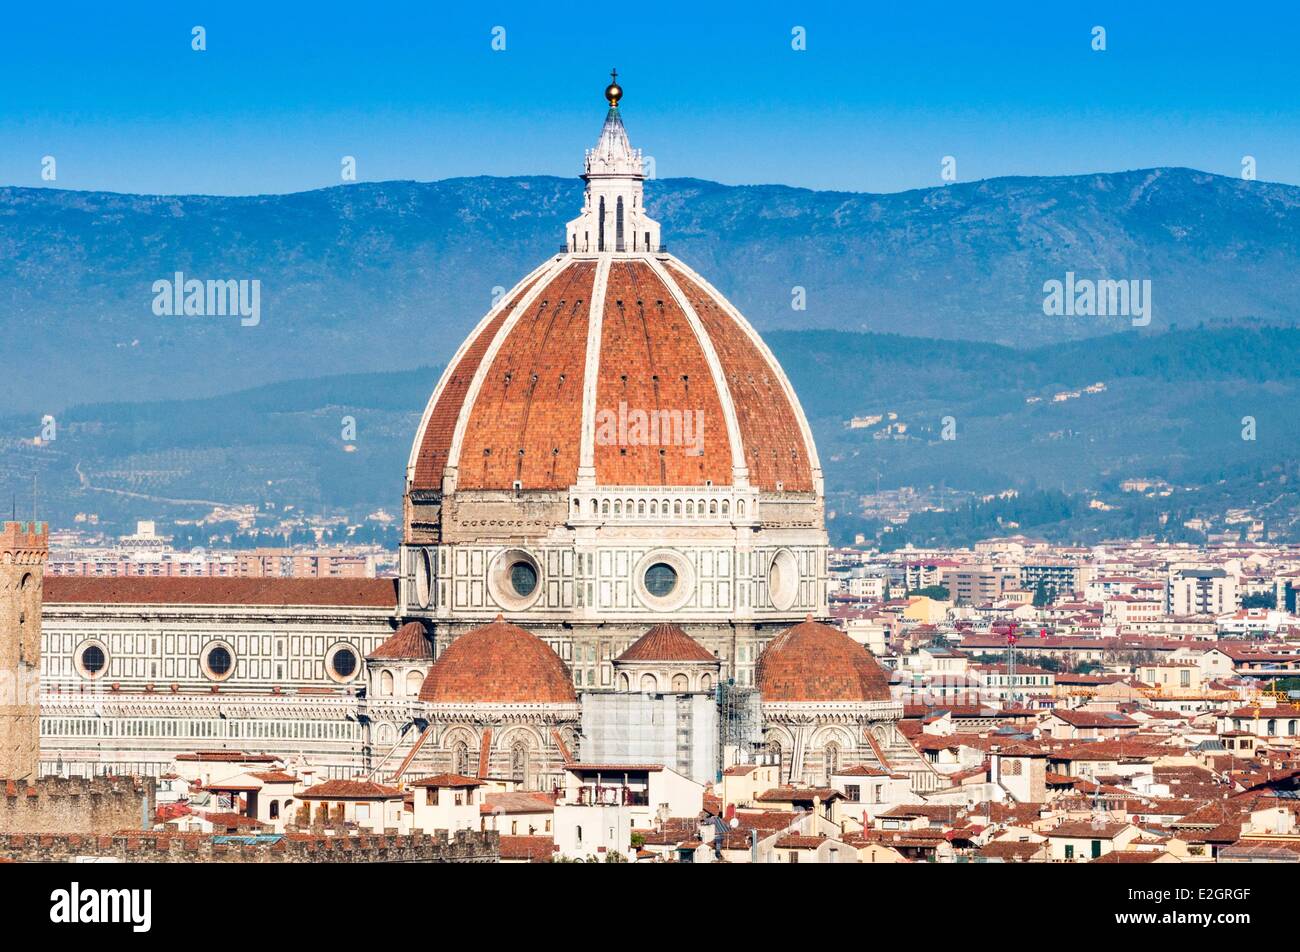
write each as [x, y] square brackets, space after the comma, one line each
[618, 507]
[740, 507]
[649, 684]
[713, 508]
[706, 683]
[830, 759]
[726, 508]
[618, 225]
[690, 507]
[460, 758]
[604, 508]
[681, 684]
[519, 761]
[386, 684]
[600, 231]
[275, 809]
[414, 681]
[677, 508]
[623, 683]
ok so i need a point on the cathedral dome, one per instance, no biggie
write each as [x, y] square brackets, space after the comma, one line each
[498, 663]
[812, 662]
[631, 370]
[613, 364]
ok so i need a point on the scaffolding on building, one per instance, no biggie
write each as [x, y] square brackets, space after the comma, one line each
[740, 724]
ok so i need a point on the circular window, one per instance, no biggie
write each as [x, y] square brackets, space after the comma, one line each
[660, 579]
[515, 580]
[219, 662]
[523, 578]
[344, 663]
[92, 660]
[663, 580]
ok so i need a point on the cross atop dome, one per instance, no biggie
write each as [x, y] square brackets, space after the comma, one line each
[613, 216]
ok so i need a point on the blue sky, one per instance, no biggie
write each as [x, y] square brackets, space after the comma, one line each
[414, 91]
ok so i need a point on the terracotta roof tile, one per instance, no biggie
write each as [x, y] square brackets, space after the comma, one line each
[769, 424]
[447, 780]
[408, 643]
[498, 663]
[815, 662]
[535, 849]
[666, 643]
[342, 592]
[526, 418]
[350, 790]
[435, 440]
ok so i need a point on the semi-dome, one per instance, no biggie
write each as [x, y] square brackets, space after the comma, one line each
[499, 663]
[813, 662]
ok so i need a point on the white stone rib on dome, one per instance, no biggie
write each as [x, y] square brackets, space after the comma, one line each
[465, 345]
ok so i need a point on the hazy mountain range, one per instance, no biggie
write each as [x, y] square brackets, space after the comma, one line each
[923, 304]
[376, 277]
[1076, 418]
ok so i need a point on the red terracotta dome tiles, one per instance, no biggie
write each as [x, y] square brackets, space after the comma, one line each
[526, 418]
[408, 643]
[655, 381]
[775, 451]
[666, 643]
[498, 663]
[813, 662]
[438, 433]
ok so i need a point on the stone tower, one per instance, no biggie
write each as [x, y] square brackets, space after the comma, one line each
[24, 548]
